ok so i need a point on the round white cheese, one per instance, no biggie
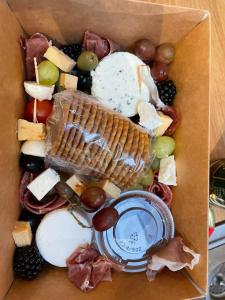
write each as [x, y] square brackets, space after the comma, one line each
[116, 83]
[59, 234]
[35, 148]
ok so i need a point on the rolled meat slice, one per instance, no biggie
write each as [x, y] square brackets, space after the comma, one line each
[87, 268]
[99, 45]
[162, 190]
[35, 46]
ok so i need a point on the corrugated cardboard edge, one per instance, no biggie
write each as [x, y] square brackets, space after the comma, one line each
[12, 102]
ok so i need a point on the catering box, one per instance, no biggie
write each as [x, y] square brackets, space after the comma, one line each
[124, 21]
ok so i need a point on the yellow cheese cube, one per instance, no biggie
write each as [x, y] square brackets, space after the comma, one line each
[22, 234]
[60, 59]
[166, 122]
[76, 185]
[30, 131]
[68, 81]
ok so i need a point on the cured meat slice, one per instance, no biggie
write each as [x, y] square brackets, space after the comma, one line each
[173, 114]
[87, 268]
[35, 46]
[99, 45]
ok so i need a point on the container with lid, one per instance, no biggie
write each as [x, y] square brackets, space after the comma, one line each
[145, 222]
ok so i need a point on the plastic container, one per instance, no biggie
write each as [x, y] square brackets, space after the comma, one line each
[145, 223]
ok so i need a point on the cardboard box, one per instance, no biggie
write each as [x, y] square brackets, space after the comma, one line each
[124, 21]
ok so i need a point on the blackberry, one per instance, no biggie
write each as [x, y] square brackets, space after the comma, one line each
[84, 80]
[72, 50]
[167, 91]
[27, 262]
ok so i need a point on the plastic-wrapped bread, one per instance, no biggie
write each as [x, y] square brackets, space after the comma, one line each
[89, 139]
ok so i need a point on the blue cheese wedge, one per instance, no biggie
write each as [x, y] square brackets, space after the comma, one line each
[167, 171]
[149, 117]
[116, 83]
[42, 184]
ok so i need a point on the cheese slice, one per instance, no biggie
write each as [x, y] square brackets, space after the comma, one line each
[68, 81]
[76, 185]
[43, 183]
[166, 122]
[167, 171]
[22, 234]
[30, 131]
[149, 117]
[60, 59]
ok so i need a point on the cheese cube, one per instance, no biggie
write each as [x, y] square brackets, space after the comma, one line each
[22, 234]
[111, 189]
[167, 171]
[149, 117]
[60, 59]
[42, 184]
[30, 131]
[166, 122]
[76, 185]
[68, 81]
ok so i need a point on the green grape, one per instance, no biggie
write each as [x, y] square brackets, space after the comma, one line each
[87, 61]
[146, 178]
[155, 164]
[163, 146]
[48, 73]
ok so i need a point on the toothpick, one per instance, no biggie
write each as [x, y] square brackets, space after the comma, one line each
[35, 100]
[36, 70]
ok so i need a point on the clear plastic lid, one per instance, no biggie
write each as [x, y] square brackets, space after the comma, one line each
[145, 222]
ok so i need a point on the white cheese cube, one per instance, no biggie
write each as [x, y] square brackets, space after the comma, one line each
[60, 59]
[35, 148]
[111, 189]
[42, 184]
[167, 171]
[166, 122]
[68, 81]
[76, 185]
[22, 234]
[149, 117]
[30, 131]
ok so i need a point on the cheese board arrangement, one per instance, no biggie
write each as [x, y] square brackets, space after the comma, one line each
[98, 161]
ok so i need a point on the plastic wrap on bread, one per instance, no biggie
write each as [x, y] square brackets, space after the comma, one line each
[89, 139]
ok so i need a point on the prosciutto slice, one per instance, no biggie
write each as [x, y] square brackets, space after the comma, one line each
[175, 256]
[35, 46]
[99, 45]
[36, 207]
[172, 113]
[162, 190]
[87, 268]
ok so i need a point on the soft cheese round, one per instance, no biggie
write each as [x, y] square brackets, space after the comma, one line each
[115, 83]
[59, 234]
[35, 148]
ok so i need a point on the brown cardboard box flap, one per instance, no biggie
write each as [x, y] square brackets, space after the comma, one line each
[124, 21]
[110, 18]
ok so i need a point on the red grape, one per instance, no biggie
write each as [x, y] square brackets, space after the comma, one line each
[43, 110]
[93, 197]
[144, 49]
[105, 218]
[159, 71]
[165, 53]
